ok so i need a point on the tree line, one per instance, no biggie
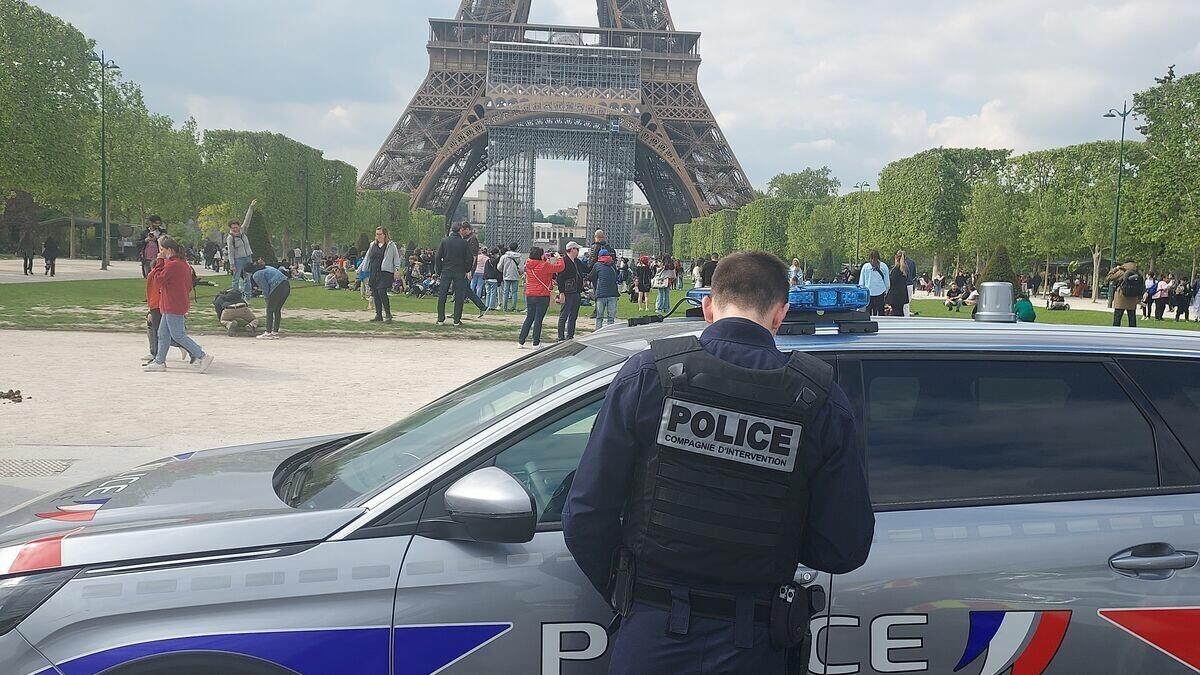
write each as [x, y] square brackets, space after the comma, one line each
[195, 180]
[952, 207]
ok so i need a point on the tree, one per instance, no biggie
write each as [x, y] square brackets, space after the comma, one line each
[989, 220]
[814, 184]
[762, 225]
[47, 113]
[999, 268]
[827, 269]
[260, 238]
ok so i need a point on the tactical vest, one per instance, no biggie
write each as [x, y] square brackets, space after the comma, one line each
[722, 497]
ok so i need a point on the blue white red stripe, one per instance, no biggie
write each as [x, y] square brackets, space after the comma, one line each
[40, 554]
[1023, 641]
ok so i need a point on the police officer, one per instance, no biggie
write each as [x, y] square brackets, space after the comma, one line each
[715, 467]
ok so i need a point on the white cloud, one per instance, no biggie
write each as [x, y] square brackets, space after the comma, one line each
[992, 127]
[819, 144]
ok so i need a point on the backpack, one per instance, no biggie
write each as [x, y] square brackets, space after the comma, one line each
[1134, 284]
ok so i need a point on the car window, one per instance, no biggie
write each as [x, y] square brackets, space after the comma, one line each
[974, 429]
[374, 461]
[1173, 387]
[545, 461]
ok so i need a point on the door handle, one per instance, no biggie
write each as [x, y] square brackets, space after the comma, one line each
[1152, 561]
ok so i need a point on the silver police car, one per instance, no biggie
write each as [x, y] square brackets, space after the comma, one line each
[1035, 487]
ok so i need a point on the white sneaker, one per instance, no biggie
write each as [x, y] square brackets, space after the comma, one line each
[147, 359]
[203, 364]
[263, 336]
[154, 367]
[184, 355]
[521, 345]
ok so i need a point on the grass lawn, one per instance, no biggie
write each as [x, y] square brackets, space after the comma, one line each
[934, 309]
[119, 304]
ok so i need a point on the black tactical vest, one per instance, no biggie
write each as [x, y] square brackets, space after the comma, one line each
[722, 497]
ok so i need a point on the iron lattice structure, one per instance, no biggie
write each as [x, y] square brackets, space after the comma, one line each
[441, 145]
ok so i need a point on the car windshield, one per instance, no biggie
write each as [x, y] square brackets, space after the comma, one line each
[343, 476]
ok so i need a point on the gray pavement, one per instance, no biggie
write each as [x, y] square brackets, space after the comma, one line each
[91, 412]
[75, 270]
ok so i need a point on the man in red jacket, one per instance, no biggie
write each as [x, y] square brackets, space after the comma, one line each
[174, 283]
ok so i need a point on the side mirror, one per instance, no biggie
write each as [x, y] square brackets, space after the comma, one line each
[492, 506]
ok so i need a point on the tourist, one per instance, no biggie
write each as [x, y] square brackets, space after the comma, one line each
[492, 278]
[874, 276]
[664, 278]
[1181, 298]
[28, 250]
[954, 298]
[1023, 308]
[1128, 288]
[240, 253]
[1162, 294]
[599, 241]
[642, 276]
[381, 263]
[154, 314]
[174, 299]
[50, 254]
[452, 267]
[512, 267]
[570, 289]
[478, 274]
[604, 279]
[275, 289]
[149, 252]
[1194, 306]
[679, 272]
[540, 269]
[795, 273]
[707, 270]
[316, 260]
[896, 298]
[910, 278]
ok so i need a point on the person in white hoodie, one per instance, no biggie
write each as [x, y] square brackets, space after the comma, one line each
[512, 266]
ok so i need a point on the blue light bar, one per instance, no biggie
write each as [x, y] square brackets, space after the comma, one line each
[810, 298]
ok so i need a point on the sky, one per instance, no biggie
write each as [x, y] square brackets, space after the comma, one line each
[794, 83]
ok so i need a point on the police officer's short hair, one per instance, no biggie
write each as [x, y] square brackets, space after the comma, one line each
[752, 280]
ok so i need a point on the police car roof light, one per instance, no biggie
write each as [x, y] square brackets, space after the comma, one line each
[811, 305]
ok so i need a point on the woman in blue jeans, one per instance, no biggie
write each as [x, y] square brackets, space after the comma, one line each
[539, 278]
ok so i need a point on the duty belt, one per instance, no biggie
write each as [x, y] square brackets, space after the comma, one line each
[703, 603]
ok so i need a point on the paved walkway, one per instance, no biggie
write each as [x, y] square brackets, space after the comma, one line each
[1039, 303]
[75, 270]
[90, 411]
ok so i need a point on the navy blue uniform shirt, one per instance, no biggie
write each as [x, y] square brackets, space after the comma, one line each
[840, 521]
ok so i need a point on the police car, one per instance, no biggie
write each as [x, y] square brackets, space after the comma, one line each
[1035, 488]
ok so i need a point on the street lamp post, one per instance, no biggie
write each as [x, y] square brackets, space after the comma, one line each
[106, 247]
[858, 228]
[1124, 114]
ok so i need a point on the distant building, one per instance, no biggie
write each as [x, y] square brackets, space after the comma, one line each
[640, 212]
[549, 233]
[477, 208]
[581, 215]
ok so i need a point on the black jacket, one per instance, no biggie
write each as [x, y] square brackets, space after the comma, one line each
[453, 256]
[572, 269]
[706, 273]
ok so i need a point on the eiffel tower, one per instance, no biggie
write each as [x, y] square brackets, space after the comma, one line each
[502, 92]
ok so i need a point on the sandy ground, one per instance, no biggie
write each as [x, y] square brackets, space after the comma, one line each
[90, 408]
[75, 270]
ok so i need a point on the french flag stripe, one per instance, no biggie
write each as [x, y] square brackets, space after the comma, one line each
[1009, 638]
[1047, 638]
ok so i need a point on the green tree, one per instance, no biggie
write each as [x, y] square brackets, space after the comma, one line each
[814, 184]
[260, 238]
[1000, 268]
[762, 225]
[989, 220]
[47, 105]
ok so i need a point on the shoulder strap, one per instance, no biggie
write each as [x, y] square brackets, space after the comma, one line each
[666, 354]
[817, 380]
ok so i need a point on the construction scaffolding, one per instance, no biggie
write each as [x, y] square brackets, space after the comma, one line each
[513, 150]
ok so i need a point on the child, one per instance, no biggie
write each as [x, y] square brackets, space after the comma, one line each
[174, 292]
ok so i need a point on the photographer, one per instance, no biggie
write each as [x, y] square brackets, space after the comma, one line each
[539, 278]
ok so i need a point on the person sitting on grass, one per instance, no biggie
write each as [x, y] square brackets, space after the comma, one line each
[1023, 308]
[971, 296]
[954, 298]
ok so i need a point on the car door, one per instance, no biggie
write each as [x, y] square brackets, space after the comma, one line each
[1029, 515]
[505, 608]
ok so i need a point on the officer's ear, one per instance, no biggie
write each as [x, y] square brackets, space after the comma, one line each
[777, 317]
[706, 304]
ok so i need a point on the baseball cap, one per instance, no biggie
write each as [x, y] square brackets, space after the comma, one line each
[571, 245]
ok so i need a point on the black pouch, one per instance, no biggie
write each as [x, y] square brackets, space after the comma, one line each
[790, 612]
[624, 576]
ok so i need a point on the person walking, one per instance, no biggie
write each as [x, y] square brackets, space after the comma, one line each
[605, 280]
[148, 249]
[174, 301]
[240, 253]
[27, 250]
[452, 264]
[897, 294]
[275, 288]
[382, 264]
[570, 289]
[540, 269]
[50, 254]
[874, 276]
[692, 541]
[707, 270]
[664, 278]
[512, 268]
[1130, 287]
[154, 313]
[316, 260]
[478, 274]
[679, 273]
[642, 278]
[910, 278]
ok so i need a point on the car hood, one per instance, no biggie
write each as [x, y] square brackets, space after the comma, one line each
[209, 500]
